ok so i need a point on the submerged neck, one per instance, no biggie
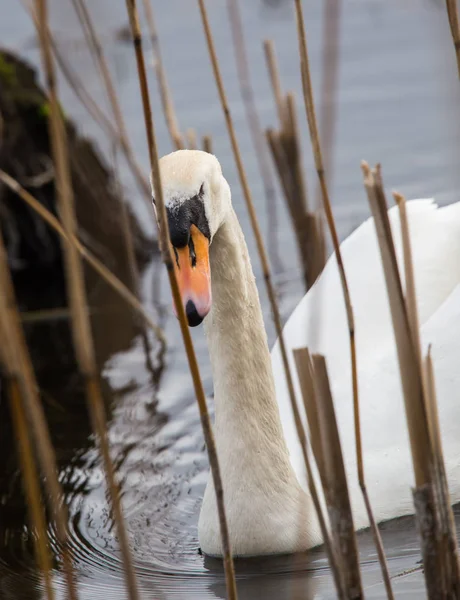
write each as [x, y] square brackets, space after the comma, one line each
[244, 391]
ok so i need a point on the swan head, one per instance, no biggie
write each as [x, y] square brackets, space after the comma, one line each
[197, 200]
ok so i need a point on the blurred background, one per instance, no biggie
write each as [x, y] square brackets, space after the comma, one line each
[395, 100]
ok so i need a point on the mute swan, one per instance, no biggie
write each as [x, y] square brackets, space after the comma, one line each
[269, 508]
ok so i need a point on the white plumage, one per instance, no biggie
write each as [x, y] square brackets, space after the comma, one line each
[319, 322]
[268, 506]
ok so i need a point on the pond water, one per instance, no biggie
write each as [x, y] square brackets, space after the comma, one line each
[397, 103]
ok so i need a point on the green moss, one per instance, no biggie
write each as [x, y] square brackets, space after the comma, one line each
[44, 110]
[7, 72]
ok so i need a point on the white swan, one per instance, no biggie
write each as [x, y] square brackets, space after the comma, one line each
[269, 509]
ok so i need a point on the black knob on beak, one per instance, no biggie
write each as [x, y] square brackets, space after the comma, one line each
[193, 317]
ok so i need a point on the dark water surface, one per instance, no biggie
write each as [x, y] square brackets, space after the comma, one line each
[398, 103]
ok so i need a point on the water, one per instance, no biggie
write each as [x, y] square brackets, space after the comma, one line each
[398, 102]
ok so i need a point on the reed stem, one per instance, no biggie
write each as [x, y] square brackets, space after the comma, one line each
[448, 532]
[336, 489]
[273, 70]
[31, 482]
[319, 165]
[286, 153]
[332, 10]
[101, 63]
[94, 110]
[452, 13]
[312, 125]
[81, 327]
[207, 143]
[409, 365]
[411, 300]
[305, 373]
[190, 135]
[19, 367]
[168, 260]
[165, 92]
[431, 496]
[255, 129]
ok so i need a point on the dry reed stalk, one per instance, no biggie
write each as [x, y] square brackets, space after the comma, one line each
[272, 66]
[308, 229]
[319, 165]
[311, 118]
[207, 143]
[275, 144]
[452, 13]
[165, 92]
[409, 365]
[81, 327]
[101, 63]
[190, 135]
[94, 262]
[448, 568]
[94, 110]
[447, 521]
[135, 278]
[427, 524]
[292, 132]
[169, 263]
[30, 481]
[305, 373]
[20, 368]
[410, 296]
[286, 153]
[255, 129]
[329, 82]
[310, 242]
[444, 570]
[336, 489]
[426, 493]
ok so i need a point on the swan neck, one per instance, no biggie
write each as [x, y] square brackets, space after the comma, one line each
[244, 388]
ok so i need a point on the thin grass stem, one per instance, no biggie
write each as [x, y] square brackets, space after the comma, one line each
[94, 110]
[319, 165]
[20, 368]
[165, 92]
[168, 260]
[81, 328]
[255, 129]
[31, 482]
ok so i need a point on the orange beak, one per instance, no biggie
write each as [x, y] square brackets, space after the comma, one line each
[194, 277]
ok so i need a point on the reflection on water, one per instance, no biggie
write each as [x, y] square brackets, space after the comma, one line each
[398, 103]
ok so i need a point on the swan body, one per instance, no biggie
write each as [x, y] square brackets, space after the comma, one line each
[268, 506]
